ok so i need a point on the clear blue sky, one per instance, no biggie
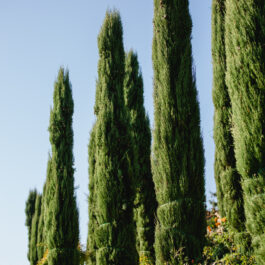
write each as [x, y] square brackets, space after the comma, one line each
[37, 37]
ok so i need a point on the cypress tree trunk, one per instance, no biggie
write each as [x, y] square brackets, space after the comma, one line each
[62, 215]
[92, 224]
[245, 38]
[145, 201]
[178, 159]
[29, 210]
[34, 232]
[115, 234]
[228, 180]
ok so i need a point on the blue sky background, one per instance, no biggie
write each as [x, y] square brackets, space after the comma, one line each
[37, 37]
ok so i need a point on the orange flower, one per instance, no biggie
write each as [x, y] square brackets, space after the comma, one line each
[217, 224]
[215, 219]
[209, 228]
[223, 220]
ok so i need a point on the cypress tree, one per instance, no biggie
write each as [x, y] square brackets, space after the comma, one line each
[115, 233]
[34, 231]
[91, 244]
[178, 155]
[40, 238]
[42, 244]
[245, 77]
[145, 201]
[228, 180]
[62, 228]
[29, 210]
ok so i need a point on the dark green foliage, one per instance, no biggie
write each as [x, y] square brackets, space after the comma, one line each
[115, 233]
[61, 228]
[145, 201]
[245, 38]
[40, 238]
[42, 244]
[29, 210]
[178, 159]
[34, 232]
[228, 181]
[91, 244]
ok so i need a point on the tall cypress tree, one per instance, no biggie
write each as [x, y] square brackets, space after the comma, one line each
[115, 234]
[245, 38]
[29, 210]
[145, 201]
[228, 180]
[62, 229]
[91, 244]
[34, 231]
[178, 155]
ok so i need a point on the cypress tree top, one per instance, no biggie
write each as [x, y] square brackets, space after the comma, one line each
[178, 159]
[62, 216]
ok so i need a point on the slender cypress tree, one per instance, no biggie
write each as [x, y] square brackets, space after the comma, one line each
[178, 155]
[34, 231]
[40, 237]
[245, 38]
[62, 229]
[145, 201]
[29, 210]
[115, 234]
[91, 244]
[228, 180]
[42, 244]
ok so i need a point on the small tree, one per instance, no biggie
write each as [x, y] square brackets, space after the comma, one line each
[61, 224]
[34, 231]
[145, 201]
[92, 225]
[29, 210]
[42, 244]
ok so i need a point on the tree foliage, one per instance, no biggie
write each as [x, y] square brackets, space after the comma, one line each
[62, 228]
[114, 235]
[245, 38]
[92, 224]
[228, 180]
[29, 211]
[35, 231]
[145, 200]
[178, 159]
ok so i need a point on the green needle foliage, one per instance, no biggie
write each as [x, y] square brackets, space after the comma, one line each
[34, 231]
[62, 229]
[245, 39]
[178, 155]
[42, 244]
[92, 225]
[145, 201]
[228, 180]
[115, 233]
[40, 237]
[29, 210]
